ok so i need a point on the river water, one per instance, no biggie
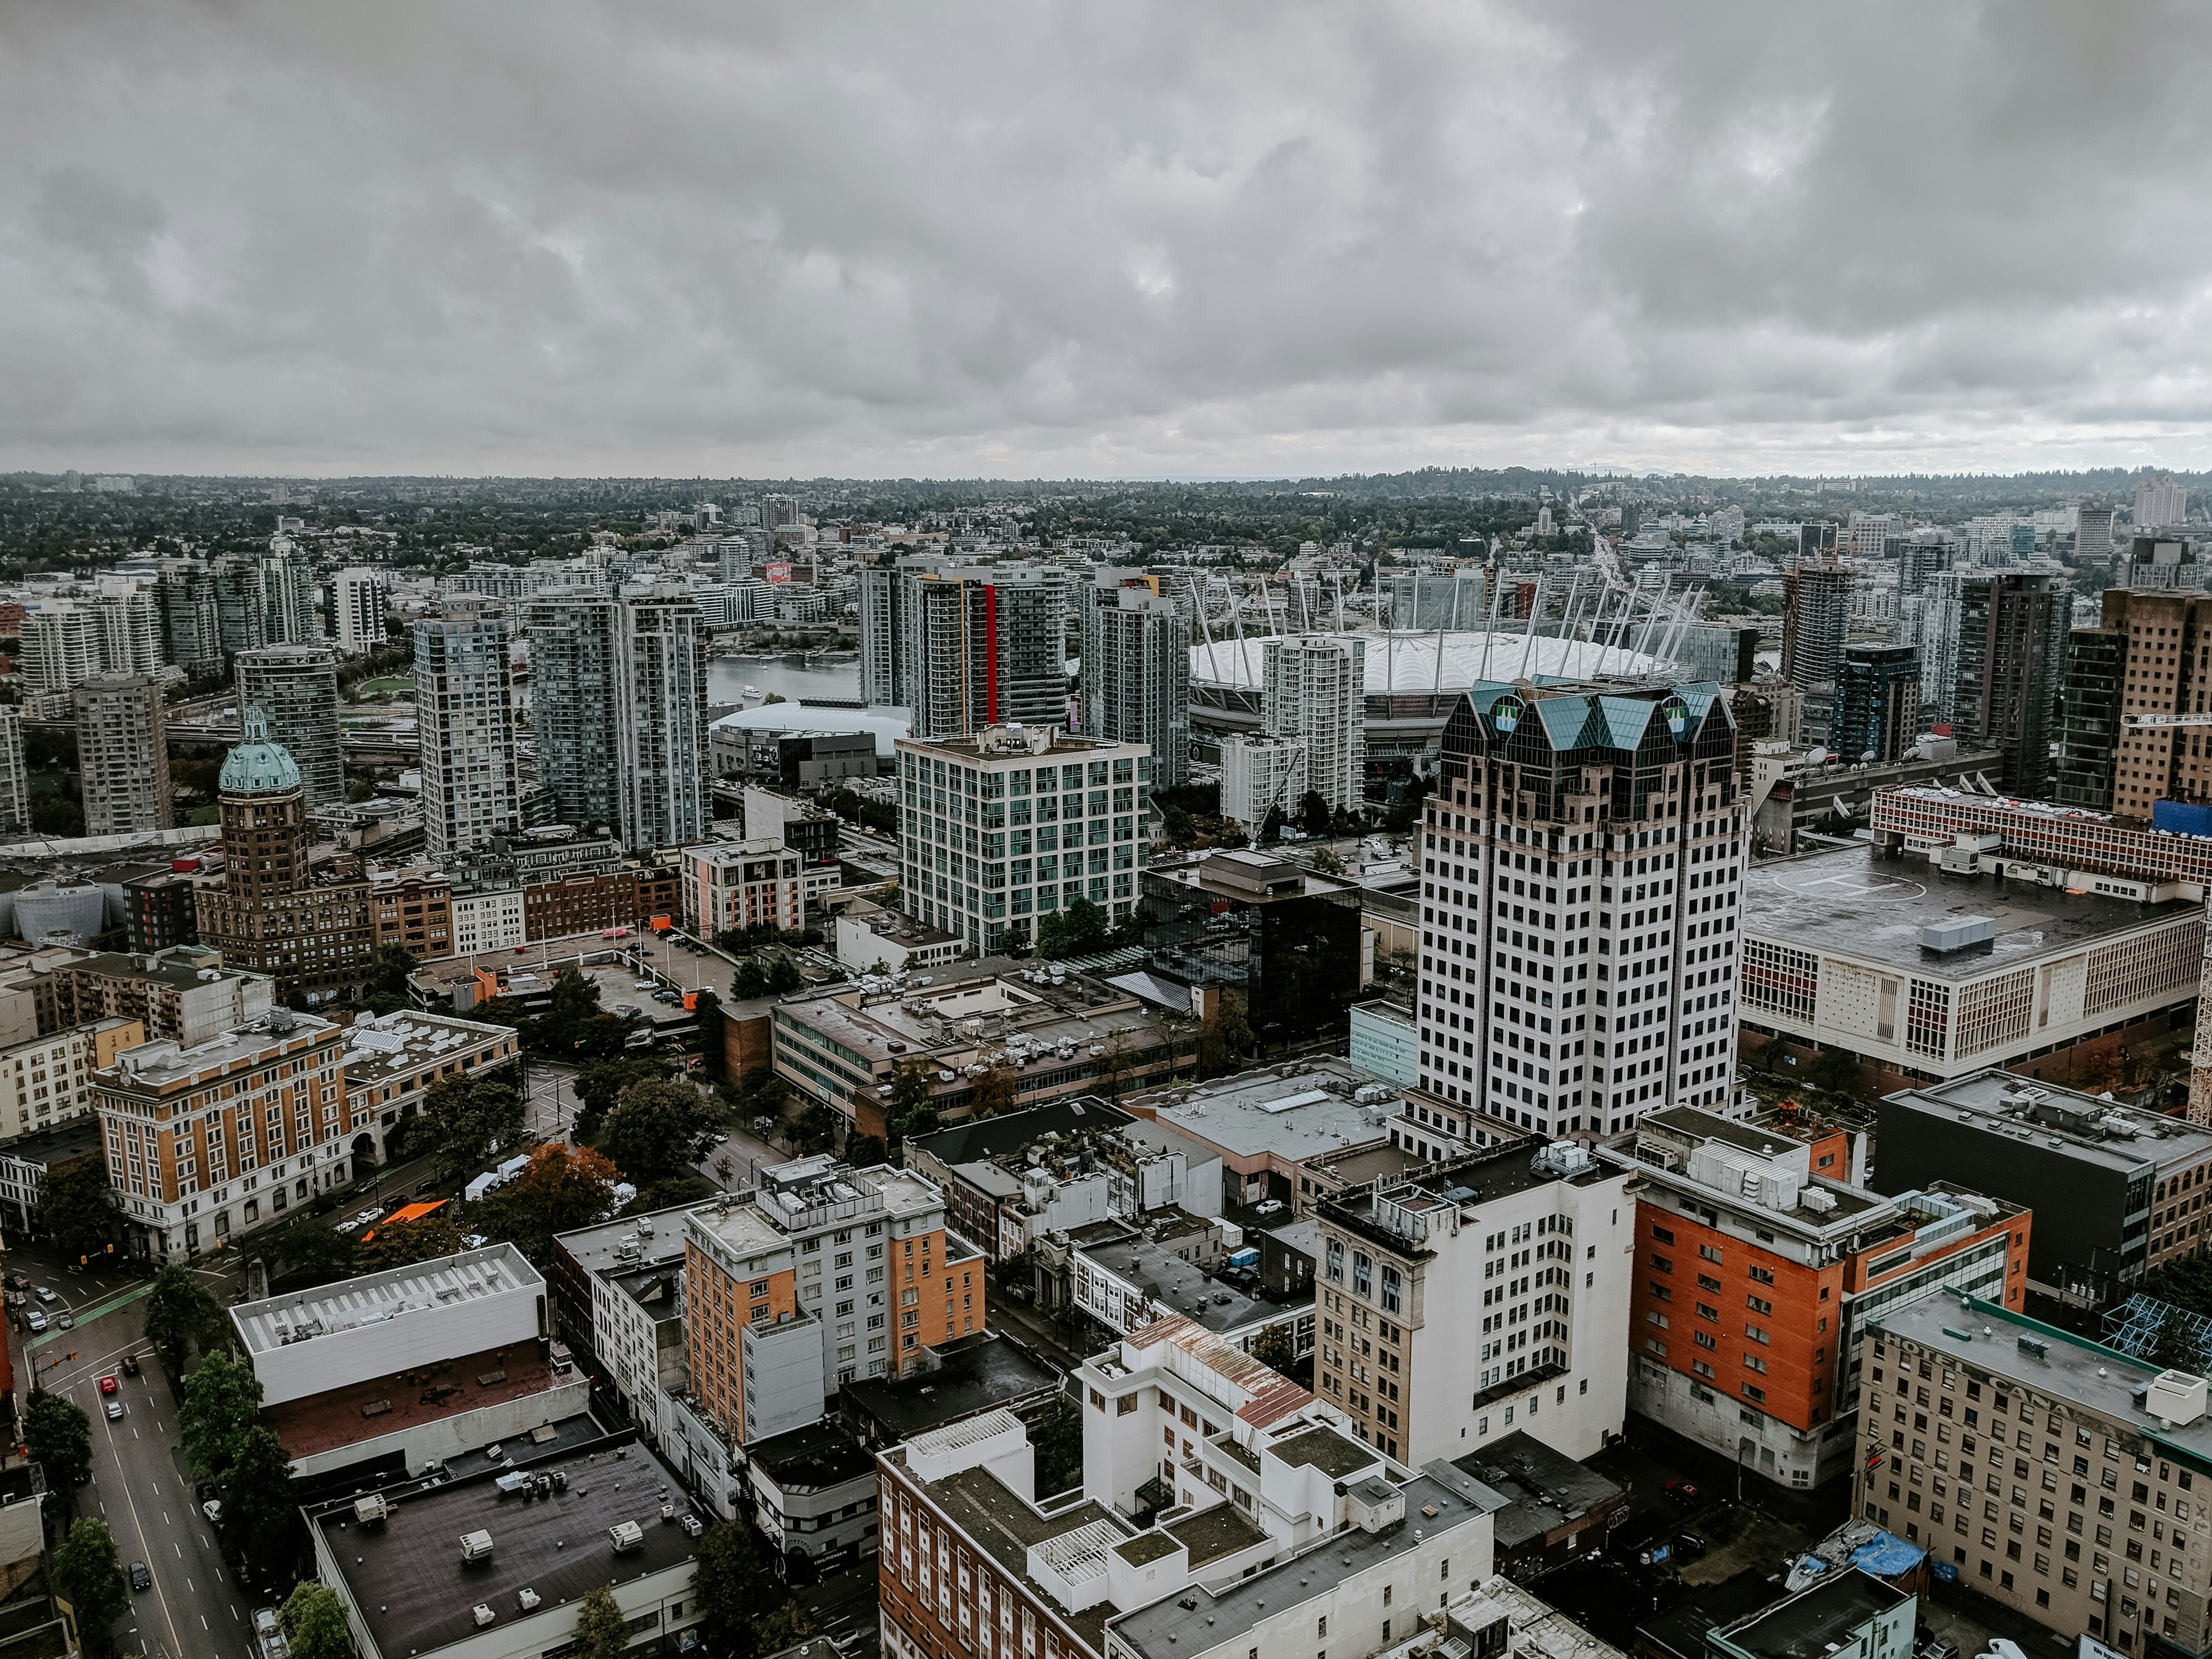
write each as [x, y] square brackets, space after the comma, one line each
[728, 677]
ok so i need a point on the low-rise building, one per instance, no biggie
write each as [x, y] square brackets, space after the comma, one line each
[729, 886]
[25, 1159]
[460, 1569]
[1556, 1510]
[1485, 1294]
[1010, 1179]
[2115, 1191]
[956, 1380]
[412, 909]
[583, 1258]
[185, 994]
[813, 1492]
[637, 1329]
[46, 1081]
[1757, 1258]
[872, 940]
[2053, 1474]
[1054, 1037]
[392, 1060]
[1850, 1614]
[209, 1142]
[1126, 1278]
[487, 919]
[1924, 973]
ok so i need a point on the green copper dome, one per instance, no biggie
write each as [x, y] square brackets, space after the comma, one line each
[258, 766]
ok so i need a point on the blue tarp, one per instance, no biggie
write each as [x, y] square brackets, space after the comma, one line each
[1887, 1556]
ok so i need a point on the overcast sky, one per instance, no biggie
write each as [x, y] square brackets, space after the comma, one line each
[1147, 239]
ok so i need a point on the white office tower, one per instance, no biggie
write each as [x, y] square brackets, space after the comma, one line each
[2093, 531]
[660, 717]
[1581, 864]
[880, 611]
[1136, 650]
[15, 784]
[1259, 774]
[572, 694]
[464, 690]
[2160, 501]
[1314, 689]
[359, 601]
[295, 687]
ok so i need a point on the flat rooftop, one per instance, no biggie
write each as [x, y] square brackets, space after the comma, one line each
[1814, 1622]
[379, 1047]
[750, 1225]
[2103, 1132]
[162, 1063]
[496, 1270]
[1034, 1023]
[1545, 1489]
[60, 1145]
[1155, 1632]
[1850, 901]
[1480, 1178]
[811, 1459]
[1296, 1111]
[1012, 1132]
[1175, 1283]
[974, 1374]
[2072, 1368]
[395, 1403]
[413, 1591]
[600, 1245]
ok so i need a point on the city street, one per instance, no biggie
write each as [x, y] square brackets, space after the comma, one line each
[138, 1485]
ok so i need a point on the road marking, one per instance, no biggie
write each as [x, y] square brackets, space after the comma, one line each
[159, 1594]
[100, 1312]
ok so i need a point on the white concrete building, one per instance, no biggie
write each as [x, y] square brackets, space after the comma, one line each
[1314, 690]
[492, 919]
[46, 1081]
[1258, 773]
[465, 719]
[872, 940]
[1484, 1295]
[359, 600]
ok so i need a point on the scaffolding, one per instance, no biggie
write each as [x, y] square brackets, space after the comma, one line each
[2136, 1326]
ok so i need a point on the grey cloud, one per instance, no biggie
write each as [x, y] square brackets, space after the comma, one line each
[1144, 239]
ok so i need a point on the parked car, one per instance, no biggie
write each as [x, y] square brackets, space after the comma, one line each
[64, 1322]
[37, 1321]
[115, 1411]
[1682, 1491]
[130, 1364]
[422, 1187]
[19, 1281]
[108, 1385]
[213, 1510]
[1690, 1543]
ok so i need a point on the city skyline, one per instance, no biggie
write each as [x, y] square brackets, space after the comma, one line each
[1156, 244]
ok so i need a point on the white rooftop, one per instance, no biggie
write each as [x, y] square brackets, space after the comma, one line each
[379, 1298]
[1315, 1109]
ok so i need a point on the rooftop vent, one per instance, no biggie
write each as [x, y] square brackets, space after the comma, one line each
[476, 1545]
[1957, 934]
[483, 1614]
[626, 1536]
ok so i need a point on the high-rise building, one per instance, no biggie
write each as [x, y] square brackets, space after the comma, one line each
[269, 912]
[2012, 659]
[129, 618]
[297, 689]
[2093, 531]
[1434, 1313]
[1135, 651]
[242, 603]
[14, 783]
[969, 645]
[573, 690]
[1877, 703]
[1261, 775]
[288, 594]
[464, 716]
[1313, 689]
[660, 717]
[62, 646]
[1051, 819]
[1924, 552]
[123, 754]
[1581, 861]
[2149, 656]
[1816, 619]
[2160, 501]
[191, 625]
[1758, 1254]
[358, 605]
[777, 512]
[1871, 533]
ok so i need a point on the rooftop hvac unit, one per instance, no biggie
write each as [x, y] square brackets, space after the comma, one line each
[1817, 1199]
[529, 1598]
[370, 1509]
[482, 1615]
[476, 1545]
[626, 1536]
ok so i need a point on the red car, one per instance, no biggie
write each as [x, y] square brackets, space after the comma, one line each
[108, 1385]
[1682, 1491]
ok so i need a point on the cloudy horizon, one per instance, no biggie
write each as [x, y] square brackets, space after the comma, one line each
[1148, 241]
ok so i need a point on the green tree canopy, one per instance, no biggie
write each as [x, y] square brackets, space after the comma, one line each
[386, 979]
[733, 1587]
[913, 1109]
[1275, 1348]
[471, 1113]
[602, 1633]
[1073, 931]
[76, 1206]
[1313, 814]
[314, 1623]
[600, 1083]
[258, 1508]
[221, 1403]
[314, 1252]
[1224, 1037]
[658, 1128]
[89, 1576]
[180, 1317]
[997, 1090]
[402, 1243]
[59, 1436]
[1057, 1435]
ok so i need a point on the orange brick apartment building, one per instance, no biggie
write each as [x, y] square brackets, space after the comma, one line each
[1758, 1260]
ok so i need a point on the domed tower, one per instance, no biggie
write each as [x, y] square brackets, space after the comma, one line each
[266, 836]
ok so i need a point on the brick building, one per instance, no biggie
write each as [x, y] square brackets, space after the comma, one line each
[414, 908]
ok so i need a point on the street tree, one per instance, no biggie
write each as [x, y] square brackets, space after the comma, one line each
[602, 1632]
[314, 1623]
[786, 1627]
[314, 1252]
[402, 1243]
[560, 1188]
[733, 1587]
[76, 1206]
[258, 1507]
[60, 1437]
[222, 1401]
[1224, 1037]
[386, 980]
[913, 1108]
[1057, 1434]
[89, 1574]
[1081, 926]
[1313, 814]
[600, 1083]
[658, 1128]
[180, 1317]
[471, 1113]
[1274, 1349]
[995, 1092]
[815, 1132]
